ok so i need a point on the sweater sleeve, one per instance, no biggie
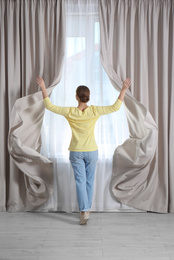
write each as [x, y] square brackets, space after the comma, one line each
[56, 109]
[104, 110]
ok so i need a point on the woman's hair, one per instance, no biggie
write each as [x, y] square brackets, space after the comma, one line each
[83, 93]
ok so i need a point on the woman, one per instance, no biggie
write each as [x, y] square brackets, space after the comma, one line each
[83, 148]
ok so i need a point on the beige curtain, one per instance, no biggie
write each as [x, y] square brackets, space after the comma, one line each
[137, 41]
[32, 43]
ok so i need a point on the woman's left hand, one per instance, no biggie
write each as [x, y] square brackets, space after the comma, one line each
[40, 82]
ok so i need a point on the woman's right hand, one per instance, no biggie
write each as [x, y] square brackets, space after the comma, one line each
[40, 82]
[126, 84]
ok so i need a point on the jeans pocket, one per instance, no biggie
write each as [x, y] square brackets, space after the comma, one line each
[73, 156]
[93, 156]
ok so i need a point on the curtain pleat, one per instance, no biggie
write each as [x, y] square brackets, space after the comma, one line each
[32, 44]
[136, 42]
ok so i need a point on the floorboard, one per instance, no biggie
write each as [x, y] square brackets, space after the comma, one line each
[107, 236]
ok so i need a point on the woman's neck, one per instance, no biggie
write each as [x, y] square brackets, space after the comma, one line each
[82, 106]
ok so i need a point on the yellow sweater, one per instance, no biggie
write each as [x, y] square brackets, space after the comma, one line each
[82, 123]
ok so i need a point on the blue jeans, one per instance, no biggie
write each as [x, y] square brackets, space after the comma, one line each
[84, 164]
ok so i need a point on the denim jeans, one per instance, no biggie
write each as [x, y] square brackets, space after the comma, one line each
[84, 164]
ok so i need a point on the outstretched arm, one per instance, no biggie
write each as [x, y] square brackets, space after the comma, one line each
[56, 109]
[104, 110]
[41, 83]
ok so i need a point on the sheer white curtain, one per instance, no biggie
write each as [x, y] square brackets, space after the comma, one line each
[82, 67]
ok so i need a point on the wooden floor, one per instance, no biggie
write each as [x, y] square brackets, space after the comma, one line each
[108, 236]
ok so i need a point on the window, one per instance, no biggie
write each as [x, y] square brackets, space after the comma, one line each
[83, 66]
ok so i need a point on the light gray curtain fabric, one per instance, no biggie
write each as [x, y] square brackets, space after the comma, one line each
[32, 44]
[137, 41]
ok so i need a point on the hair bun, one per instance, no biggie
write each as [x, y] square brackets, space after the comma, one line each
[84, 98]
[83, 93]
